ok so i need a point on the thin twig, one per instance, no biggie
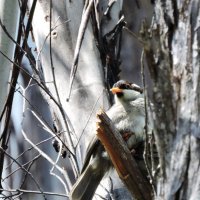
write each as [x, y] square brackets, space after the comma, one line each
[47, 128]
[69, 138]
[146, 149]
[62, 171]
[15, 73]
[81, 32]
[26, 53]
[29, 149]
[24, 165]
[36, 183]
[59, 102]
[52, 169]
[63, 113]
[42, 86]
[51, 57]
[47, 36]
[33, 192]
[90, 115]
[28, 168]
[18, 58]
[134, 35]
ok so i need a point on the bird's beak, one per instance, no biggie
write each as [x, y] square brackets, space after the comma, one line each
[116, 90]
[137, 88]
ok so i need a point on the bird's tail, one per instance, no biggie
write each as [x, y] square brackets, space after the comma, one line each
[86, 185]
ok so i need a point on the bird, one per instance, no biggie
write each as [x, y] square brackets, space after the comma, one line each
[128, 116]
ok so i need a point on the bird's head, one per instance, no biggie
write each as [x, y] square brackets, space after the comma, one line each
[126, 91]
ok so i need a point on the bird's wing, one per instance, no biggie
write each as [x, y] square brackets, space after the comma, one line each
[93, 145]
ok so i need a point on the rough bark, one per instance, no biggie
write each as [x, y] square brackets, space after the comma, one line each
[173, 60]
[172, 54]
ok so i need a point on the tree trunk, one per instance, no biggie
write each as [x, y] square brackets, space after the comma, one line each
[174, 61]
[9, 14]
[78, 57]
[57, 51]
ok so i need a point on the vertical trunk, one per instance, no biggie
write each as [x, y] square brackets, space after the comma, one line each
[56, 55]
[173, 59]
[9, 13]
[88, 84]
[9, 18]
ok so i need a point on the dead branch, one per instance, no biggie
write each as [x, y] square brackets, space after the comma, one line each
[122, 159]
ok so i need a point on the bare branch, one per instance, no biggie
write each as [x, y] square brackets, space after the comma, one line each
[23, 168]
[122, 159]
[33, 192]
[82, 28]
[147, 149]
[43, 154]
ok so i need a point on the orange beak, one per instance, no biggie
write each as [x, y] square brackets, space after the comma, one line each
[116, 90]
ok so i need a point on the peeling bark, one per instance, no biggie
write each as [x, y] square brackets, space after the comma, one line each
[173, 60]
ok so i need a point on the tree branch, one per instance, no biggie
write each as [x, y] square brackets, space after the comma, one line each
[122, 159]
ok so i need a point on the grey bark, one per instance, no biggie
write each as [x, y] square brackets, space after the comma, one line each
[9, 14]
[173, 56]
[88, 90]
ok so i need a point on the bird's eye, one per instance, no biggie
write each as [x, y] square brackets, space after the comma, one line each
[124, 86]
[120, 94]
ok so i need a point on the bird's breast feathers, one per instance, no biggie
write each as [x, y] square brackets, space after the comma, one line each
[132, 119]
